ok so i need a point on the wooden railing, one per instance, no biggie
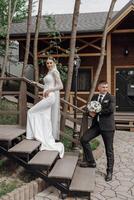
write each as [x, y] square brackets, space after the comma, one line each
[81, 99]
[23, 93]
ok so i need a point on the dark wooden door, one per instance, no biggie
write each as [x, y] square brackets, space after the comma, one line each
[125, 89]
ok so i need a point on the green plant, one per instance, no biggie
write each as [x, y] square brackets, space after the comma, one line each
[94, 144]
[7, 167]
[18, 14]
[68, 144]
[26, 176]
[61, 68]
[5, 105]
[7, 187]
[2, 163]
[51, 24]
[63, 71]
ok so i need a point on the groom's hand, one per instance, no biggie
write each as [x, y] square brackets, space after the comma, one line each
[92, 114]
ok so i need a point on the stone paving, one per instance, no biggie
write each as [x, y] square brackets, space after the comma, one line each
[122, 185]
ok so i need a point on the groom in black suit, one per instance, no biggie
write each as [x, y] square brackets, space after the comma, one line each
[103, 124]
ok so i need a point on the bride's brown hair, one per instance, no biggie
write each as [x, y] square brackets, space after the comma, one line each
[51, 58]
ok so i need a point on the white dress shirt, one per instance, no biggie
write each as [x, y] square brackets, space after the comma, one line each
[102, 97]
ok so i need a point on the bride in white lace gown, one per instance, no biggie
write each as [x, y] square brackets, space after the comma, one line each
[43, 119]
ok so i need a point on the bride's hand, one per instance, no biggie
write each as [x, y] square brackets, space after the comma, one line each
[34, 82]
[46, 93]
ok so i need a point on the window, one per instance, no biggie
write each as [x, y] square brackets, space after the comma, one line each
[84, 79]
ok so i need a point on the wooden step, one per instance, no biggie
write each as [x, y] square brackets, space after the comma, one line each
[64, 168]
[43, 159]
[129, 127]
[25, 146]
[10, 132]
[124, 113]
[125, 125]
[83, 180]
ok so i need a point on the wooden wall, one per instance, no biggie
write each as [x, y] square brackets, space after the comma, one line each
[120, 43]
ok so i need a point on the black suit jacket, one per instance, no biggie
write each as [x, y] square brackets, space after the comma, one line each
[106, 116]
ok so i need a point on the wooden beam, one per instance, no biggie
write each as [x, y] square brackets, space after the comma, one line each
[119, 18]
[67, 55]
[9, 112]
[83, 47]
[50, 38]
[30, 53]
[108, 60]
[124, 31]
[11, 78]
[23, 104]
[50, 47]
[44, 50]
[12, 93]
[95, 46]
[91, 43]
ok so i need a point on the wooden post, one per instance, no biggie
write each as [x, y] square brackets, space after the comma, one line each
[84, 124]
[103, 45]
[109, 61]
[71, 58]
[71, 101]
[23, 104]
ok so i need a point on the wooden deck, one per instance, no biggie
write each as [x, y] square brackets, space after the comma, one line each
[124, 121]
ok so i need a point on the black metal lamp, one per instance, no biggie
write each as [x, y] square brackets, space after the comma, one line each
[126, 52]
[77, 62]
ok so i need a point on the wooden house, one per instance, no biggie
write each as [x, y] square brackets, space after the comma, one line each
[118, 68]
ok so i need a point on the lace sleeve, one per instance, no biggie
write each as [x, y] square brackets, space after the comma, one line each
[58, 82]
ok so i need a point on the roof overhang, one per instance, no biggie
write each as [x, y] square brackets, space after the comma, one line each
[120, 16]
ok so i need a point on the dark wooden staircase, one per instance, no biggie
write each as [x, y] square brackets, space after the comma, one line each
[64, 174]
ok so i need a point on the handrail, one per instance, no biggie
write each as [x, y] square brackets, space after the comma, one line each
[11, 78]
[31, 82]
[28, 81]
[61, 99]
[39, 85]
[75, 107]
[22, 102]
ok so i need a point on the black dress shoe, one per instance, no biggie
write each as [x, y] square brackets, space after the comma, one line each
[108, 176]
[88, 164]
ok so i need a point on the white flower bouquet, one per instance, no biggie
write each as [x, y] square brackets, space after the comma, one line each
[94, 106]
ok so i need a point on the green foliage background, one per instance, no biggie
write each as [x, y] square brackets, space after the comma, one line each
[19, 15]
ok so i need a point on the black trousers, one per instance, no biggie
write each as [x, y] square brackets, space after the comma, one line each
[107, 137]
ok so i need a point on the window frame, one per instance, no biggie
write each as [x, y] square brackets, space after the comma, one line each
[90, 68]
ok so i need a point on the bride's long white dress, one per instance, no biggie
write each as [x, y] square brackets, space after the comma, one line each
[43, 119]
